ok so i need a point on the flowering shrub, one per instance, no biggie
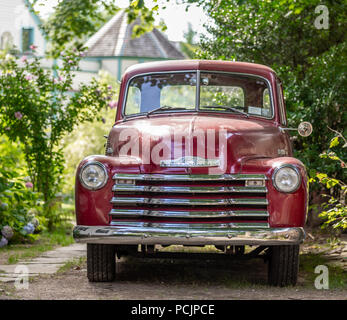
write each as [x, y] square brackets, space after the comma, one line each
[19, 205]
[38, 107]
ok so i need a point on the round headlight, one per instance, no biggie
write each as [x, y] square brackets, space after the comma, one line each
[286, 178]
[93, 175]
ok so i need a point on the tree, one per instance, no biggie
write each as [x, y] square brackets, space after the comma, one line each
[38, 110]
[280, 33]
[73, 21]
[189, 46]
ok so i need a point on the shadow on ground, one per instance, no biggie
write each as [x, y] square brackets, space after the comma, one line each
[226, 272]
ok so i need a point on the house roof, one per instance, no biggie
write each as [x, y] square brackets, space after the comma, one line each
[115, 39]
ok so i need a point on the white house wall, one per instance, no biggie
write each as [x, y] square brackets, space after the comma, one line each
[14, 15]
[110, 65]
[126, 63]
[89, 65]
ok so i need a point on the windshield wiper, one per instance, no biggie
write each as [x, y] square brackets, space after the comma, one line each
[228, 108]
[162, 108]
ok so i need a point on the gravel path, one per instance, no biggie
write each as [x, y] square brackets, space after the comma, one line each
[170, 279]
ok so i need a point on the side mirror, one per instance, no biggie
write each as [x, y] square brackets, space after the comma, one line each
[305, 129]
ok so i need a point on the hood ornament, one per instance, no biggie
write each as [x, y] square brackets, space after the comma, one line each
[190, 162]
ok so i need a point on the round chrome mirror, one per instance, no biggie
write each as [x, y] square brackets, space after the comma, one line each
[305, 129]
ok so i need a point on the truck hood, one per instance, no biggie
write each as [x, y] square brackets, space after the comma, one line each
[229, 141]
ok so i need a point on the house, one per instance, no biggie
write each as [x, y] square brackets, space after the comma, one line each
[113, 49]
[20, 28]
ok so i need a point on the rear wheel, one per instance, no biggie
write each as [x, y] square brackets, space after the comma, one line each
[101, 262]
[283, 265]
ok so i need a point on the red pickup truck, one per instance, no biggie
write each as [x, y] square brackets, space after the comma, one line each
[199, 155]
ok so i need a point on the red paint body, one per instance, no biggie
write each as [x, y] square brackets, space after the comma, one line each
[252, 146]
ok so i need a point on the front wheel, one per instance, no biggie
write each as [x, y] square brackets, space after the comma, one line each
[283, 265]
[101, 262]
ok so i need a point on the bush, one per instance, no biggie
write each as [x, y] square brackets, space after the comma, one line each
[38, 107]
[320, 97]
[19, 205]
[334, 211]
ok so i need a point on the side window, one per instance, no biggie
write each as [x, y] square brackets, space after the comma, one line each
[27, 39]
[266, 108]
[133, 100]
[281, 103]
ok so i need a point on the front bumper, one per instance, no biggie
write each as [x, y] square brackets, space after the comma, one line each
[197, 235]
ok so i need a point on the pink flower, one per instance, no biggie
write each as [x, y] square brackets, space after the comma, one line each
[28, 77]
[24, 59]
[112, 104]
[18, 115]
[70, 61]
[29, 185]
[109, 87]
[33, 47]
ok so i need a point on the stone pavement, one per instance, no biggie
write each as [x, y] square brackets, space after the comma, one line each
[48, 263]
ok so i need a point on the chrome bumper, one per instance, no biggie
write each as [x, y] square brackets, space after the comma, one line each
[189, 235]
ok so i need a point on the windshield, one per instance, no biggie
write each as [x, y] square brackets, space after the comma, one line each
[218, 92]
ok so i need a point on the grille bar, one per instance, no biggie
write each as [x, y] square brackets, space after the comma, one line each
[198, 227]
[134, 213]
[184, 189]
[193, 177]
[188, 202]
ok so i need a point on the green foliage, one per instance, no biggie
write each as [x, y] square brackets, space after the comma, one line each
[335, 209]
[278, 32]
[19, 204]
[73, 21]
[321, 99]
[188, 49]
[38, 108]
[88, 138]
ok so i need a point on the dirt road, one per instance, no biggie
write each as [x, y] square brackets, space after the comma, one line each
[171, 279]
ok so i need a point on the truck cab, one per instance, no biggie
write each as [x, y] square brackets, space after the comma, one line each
[199, 155]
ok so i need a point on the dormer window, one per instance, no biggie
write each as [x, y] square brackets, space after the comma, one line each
[27, 39]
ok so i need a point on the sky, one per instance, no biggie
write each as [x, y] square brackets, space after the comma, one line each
[175, 16]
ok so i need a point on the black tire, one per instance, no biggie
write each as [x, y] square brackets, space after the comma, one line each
[101, 262]
[283, 265]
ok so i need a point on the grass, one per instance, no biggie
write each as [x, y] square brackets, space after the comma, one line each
[60, 236]
[308, 263]
[72, 264]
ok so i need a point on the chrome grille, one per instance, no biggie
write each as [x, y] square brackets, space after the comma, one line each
[185, 198]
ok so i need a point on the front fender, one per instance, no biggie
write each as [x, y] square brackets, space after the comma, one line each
[285, 209]
[93, 206]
